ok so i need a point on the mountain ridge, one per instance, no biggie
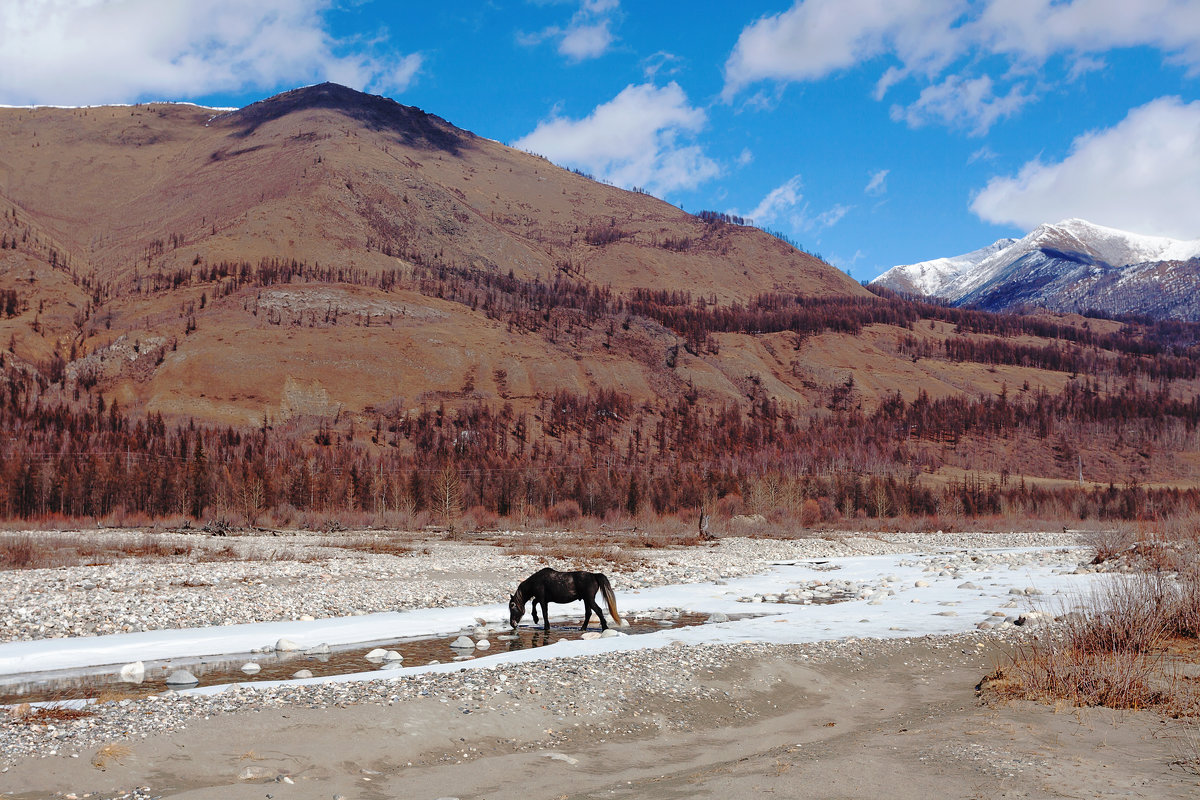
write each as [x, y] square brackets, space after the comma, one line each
[157, 229]
[1067, 266]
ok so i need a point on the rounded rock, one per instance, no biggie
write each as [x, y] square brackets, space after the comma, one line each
[181, 677]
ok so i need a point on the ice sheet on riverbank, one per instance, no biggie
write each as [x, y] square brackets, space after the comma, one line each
[963, 589]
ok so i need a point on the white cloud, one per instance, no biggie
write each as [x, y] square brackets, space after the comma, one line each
[925, 39]
[582, 42]
[745, 158]
[830, 217]
[663, 63]
[74, 52]
[815, 38]
[1141, 175]
[642, 137]
[1037, 29]
[984, 153]
[959, 102]
[779, 200]
[785, 205]
[586, 36]
[878, 183]
[1082, 65]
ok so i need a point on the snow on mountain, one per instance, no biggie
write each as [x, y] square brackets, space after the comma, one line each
[928, 277]
[1065, 266]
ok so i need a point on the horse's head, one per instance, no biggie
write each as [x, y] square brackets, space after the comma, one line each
[516, 609]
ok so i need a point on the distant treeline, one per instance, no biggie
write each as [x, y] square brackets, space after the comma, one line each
[67, 451]
[601, 453]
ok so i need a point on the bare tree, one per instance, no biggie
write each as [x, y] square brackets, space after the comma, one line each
[447, 494]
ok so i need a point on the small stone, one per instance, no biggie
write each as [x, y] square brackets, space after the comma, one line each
[483, 644]
[611, 634]
[378, 654]
[306, 618]
[250, 668]
[463, 643]
[591, 635]
[286, 646]
[921, 584]
[392, 655]
[302, 673]
[317, 650]
[181, 677]
[255, 773]
[717, 617]
[133, 673]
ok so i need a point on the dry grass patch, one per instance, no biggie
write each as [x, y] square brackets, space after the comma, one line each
[379, 544]
[111, 753]
[575, 547]
[1123, 650]
[53, 549]
[25, 714]
[1187, 749]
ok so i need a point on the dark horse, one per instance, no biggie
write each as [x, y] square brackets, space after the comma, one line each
[551, 586]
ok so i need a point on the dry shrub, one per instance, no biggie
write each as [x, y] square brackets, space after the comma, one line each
[1110, 654]
[1187, 748]
[481, 519]
[810, 513]
[1122, 679]
[1183, 605]
[1109, 542]
[111, 752]
[564, 512]
[19, 551]
[1183, 527]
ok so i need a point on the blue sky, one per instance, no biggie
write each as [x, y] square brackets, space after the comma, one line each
[874, 132]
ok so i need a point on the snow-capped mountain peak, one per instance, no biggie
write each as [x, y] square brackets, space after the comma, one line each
[1071, 241]
[928, 277]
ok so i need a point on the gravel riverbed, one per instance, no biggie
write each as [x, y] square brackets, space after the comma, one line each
[327, 581]
[283, 578]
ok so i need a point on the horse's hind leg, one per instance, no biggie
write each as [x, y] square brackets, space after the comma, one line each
[546, 614]
[587, 615]
[593, 606]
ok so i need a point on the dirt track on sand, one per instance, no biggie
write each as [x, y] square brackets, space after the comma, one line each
[897, 719]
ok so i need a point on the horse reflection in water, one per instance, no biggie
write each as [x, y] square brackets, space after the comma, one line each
[530, 639]
[551, 586]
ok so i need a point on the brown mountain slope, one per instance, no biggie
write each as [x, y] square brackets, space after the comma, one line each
[330, 175]
[140, 204]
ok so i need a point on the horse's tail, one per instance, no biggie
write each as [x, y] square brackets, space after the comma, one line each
[609, 597]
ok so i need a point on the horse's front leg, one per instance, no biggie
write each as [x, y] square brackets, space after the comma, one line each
[587, 616]
[533, 607]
